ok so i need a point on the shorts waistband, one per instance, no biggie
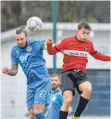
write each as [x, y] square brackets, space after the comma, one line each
[75, 70]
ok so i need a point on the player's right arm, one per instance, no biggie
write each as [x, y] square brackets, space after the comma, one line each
[14, 66]
[53, 49]
[12, 71]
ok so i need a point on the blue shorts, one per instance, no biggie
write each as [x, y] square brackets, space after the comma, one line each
[38, 92]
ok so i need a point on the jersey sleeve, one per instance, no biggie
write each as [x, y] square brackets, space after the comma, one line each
[98, 55]
[14, 60]
[39, 44]
[62, 45]
[92, 49]
[56, 48]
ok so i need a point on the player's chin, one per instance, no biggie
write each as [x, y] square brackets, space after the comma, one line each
[84, 39]
[22, 46]
[54, 87]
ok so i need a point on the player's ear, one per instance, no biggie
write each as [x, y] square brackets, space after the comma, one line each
[26, 37]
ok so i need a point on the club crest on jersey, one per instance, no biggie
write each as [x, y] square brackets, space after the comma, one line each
[29, 49]
[86, 47]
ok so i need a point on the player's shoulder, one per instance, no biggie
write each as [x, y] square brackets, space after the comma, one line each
[35, 41]
[89, 42]
[32, 41]
[67, 39]
[15, 47]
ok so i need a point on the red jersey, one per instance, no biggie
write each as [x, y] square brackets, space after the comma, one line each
[76, 53]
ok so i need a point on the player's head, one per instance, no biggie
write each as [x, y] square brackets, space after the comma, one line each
[55, 81]
[83, 31]
[21, 37]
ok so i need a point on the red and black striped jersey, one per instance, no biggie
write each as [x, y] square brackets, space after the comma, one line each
[76, 53]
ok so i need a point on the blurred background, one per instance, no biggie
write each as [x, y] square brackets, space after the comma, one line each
[60, 20]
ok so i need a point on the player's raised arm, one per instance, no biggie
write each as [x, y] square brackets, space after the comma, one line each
[53, 49]
[12, 71]
[50, 49]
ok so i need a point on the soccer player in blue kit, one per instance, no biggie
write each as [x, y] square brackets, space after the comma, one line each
[56, 99]
[29, 54]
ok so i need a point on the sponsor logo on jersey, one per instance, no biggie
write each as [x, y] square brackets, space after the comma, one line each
[23, 57]
[75, 53]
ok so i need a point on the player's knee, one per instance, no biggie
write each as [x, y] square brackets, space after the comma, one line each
[37, 112]
[88, 88]
[68, 97]
[66, 104]
[32, 116]
[38, 108]
[68, 100]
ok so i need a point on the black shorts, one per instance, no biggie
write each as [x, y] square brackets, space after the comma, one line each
[71, 79]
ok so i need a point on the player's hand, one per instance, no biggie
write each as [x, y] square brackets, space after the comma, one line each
[49, 41]
[5, 70]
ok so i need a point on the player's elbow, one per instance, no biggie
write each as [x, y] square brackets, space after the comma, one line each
[12, 73]
[50, 52]
[15, 73]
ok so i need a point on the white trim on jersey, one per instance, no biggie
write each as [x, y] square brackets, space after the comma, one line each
[75, 53]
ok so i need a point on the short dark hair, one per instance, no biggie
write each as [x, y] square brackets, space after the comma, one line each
[22, 29]
[84, 25]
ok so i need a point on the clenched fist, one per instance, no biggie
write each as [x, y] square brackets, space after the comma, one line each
[49, 41]
[5, 70]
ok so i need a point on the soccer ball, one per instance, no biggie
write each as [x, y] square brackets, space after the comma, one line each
[34, 23]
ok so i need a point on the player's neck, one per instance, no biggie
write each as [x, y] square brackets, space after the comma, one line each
[78, 38]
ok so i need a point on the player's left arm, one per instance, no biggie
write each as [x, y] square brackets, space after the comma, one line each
[98, 55]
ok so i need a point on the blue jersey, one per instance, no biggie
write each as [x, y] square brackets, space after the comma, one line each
[56, 100]
[31, 59]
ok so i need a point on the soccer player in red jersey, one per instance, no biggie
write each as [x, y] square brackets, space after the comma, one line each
[75, 50]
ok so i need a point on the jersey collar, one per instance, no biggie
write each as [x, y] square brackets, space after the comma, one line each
[55, 91]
